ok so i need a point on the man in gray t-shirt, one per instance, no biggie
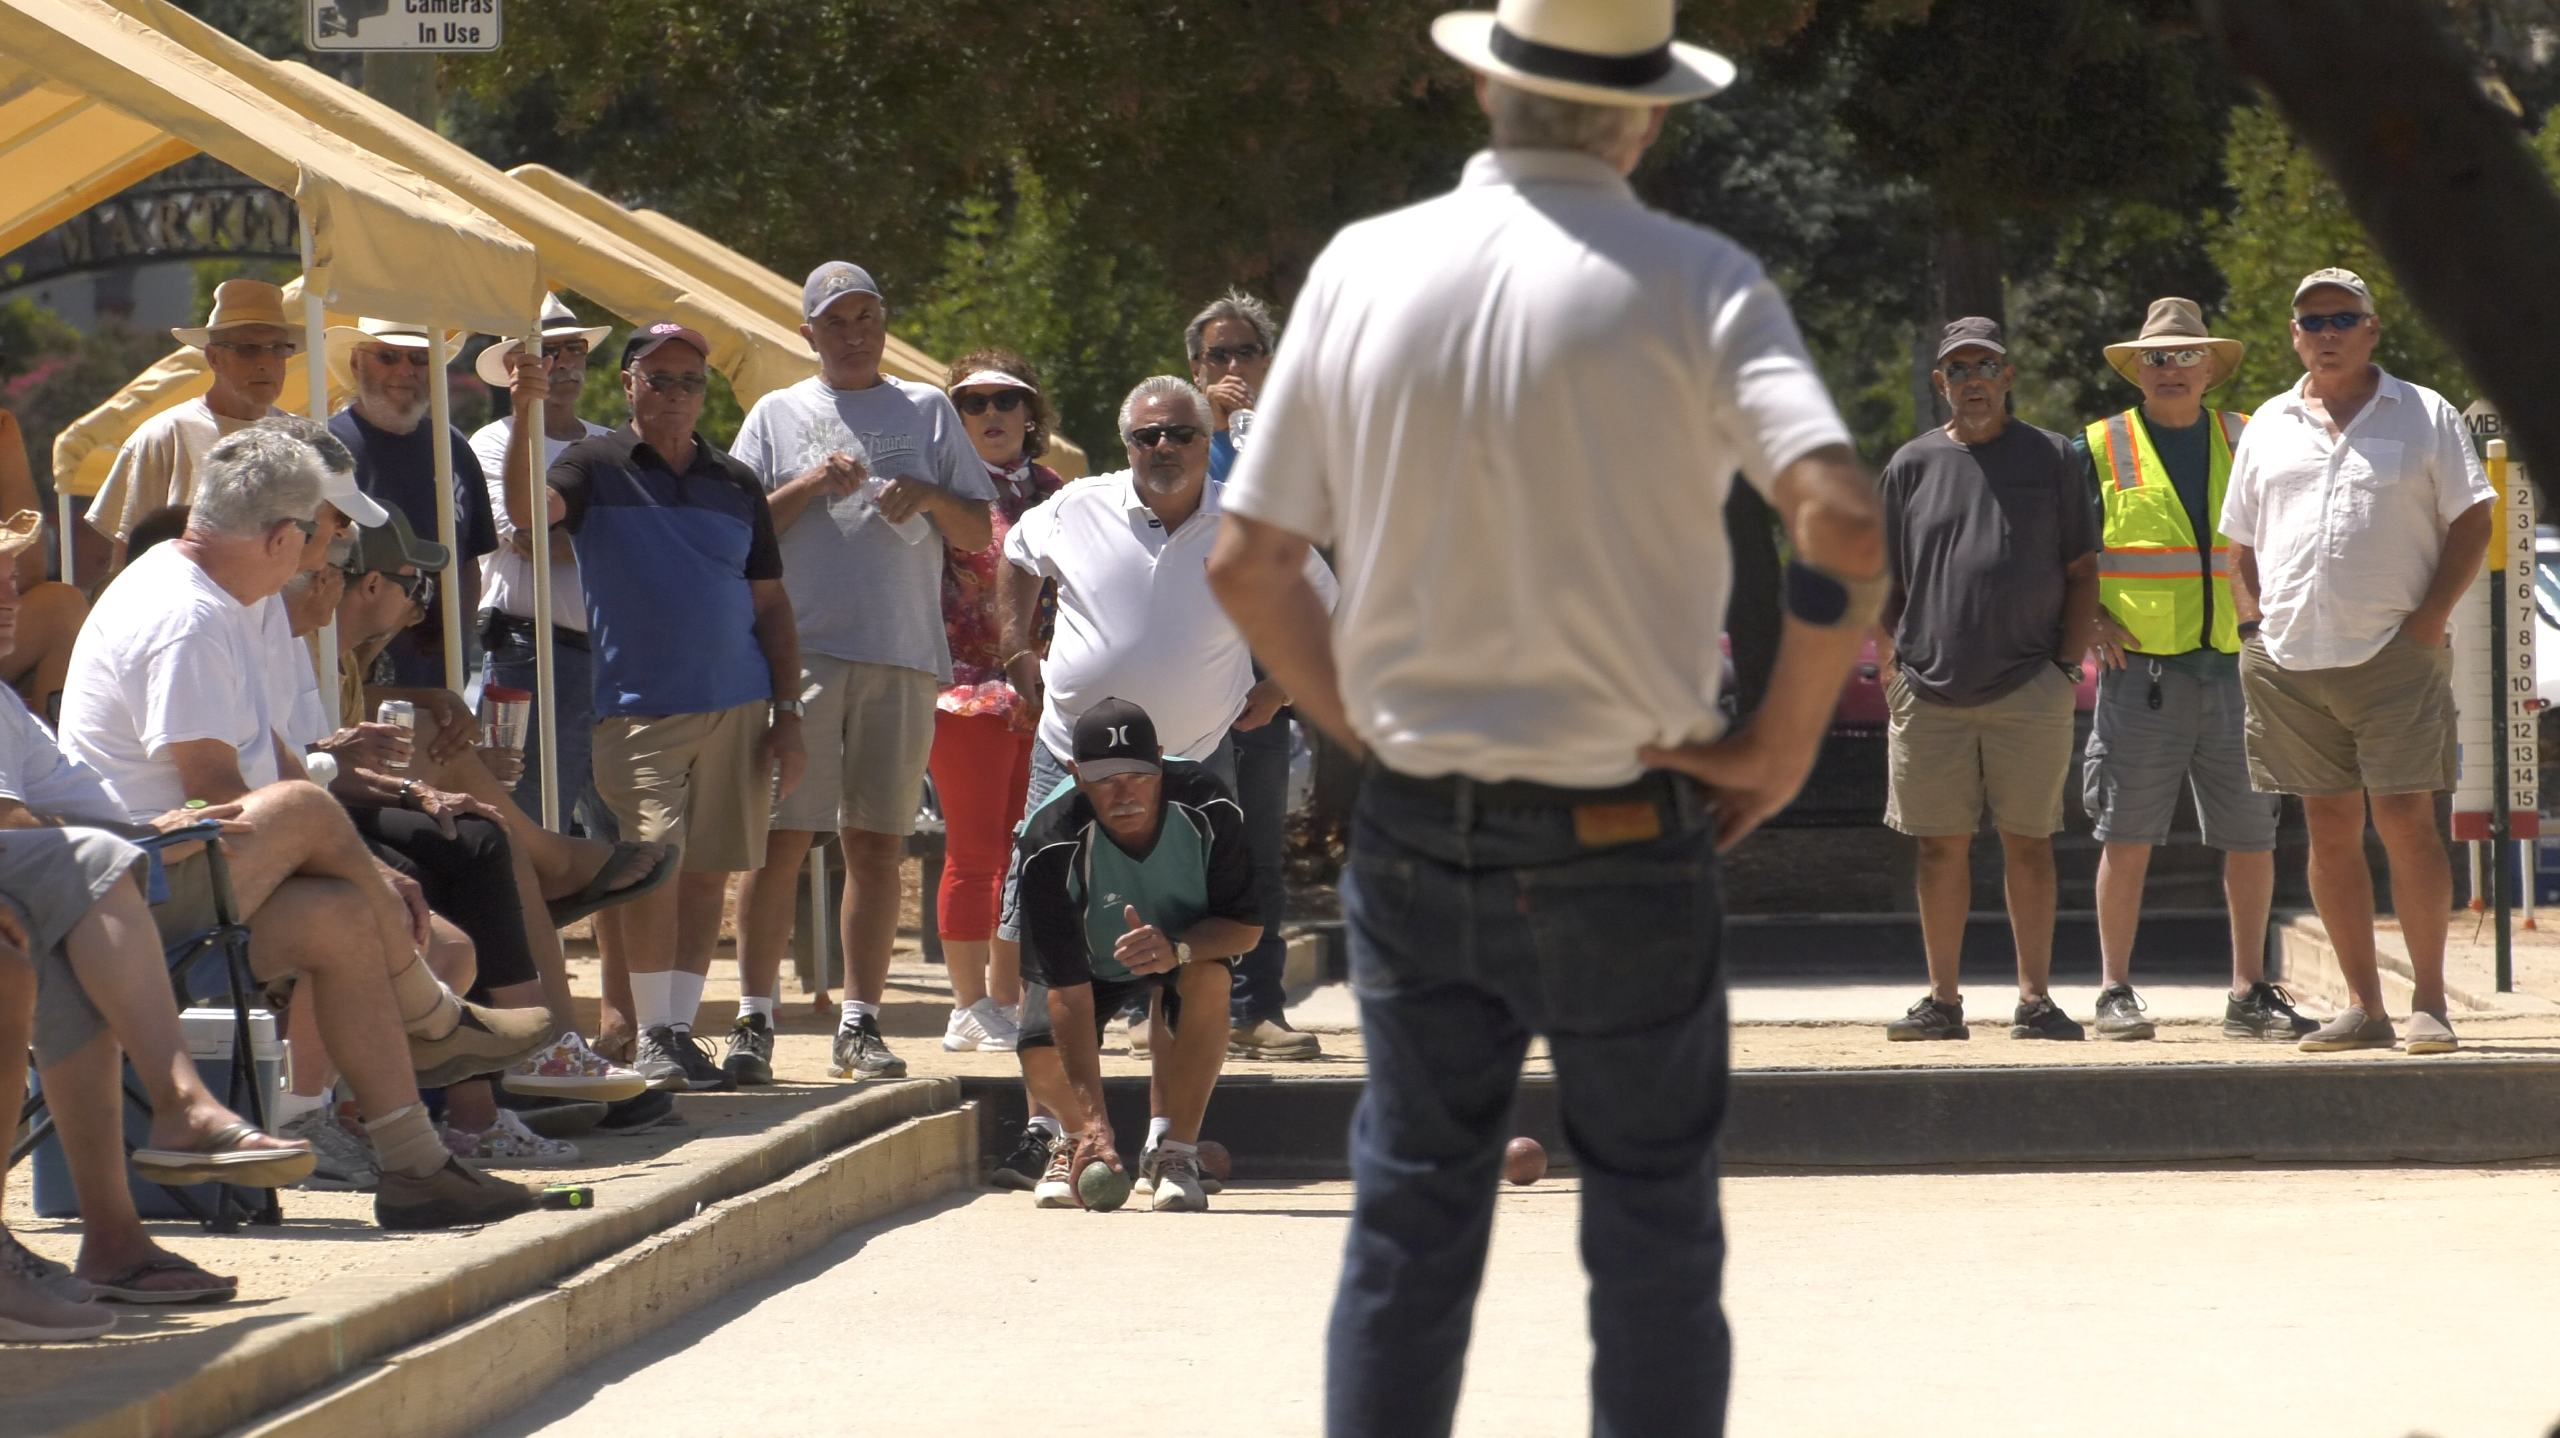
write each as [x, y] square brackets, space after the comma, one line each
[1992, 543]
[869, 477]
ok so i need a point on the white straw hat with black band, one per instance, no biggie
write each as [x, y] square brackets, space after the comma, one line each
[1600, 52]
[558, 322]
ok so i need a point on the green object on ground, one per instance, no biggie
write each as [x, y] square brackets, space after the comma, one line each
[1103, 1187]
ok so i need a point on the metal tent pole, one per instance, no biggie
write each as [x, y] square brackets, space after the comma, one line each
[66, 514]
[315, 321]
[440, 415]
[546, 712]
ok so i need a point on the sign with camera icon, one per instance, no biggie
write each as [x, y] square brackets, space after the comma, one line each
[424, 26]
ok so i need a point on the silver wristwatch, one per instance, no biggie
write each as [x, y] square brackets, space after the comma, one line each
[1181, 952]
[793, 707]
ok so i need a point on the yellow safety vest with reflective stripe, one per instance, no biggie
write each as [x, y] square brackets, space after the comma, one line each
[2151, 571]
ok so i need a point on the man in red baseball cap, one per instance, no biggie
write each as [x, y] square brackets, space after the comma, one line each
[696, 663]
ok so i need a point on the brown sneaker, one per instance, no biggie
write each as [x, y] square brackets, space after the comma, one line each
[451, 1197]
[1272, 1039]
[486, 1041]
[2353, 1028]
[2429, 1034]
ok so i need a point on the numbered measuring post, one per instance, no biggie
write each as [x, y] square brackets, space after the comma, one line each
[2496, 798]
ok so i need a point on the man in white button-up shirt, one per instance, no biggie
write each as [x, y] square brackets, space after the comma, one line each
[2357, 514]
[1516, 411]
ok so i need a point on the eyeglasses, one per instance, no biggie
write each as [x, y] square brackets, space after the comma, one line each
[1155, 434]
[1957, 371]
[676, 383]
[310, 528]
[392, 355]
[2313, 324]
[280, 349]
[565, 349]
[421, 588]
[2172, 359]
[1006, 401]
[1235, 354]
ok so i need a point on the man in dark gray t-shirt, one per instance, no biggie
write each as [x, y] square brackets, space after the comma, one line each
[1992, 542]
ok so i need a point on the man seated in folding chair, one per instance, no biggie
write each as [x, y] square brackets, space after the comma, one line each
[169, 701]
[82, 979]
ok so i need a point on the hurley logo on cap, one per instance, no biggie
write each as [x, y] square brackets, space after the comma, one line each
[1116, 737]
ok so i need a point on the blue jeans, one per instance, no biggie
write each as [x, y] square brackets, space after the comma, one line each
[1262, 787]
[1471, 928]
[581, 807]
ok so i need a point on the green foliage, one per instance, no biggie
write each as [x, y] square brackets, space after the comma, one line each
[2096, 277]
[2288, 219]
[1094, 319]
[209, 275]
[51, 374]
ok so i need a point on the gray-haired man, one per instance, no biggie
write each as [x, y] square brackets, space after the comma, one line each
[1230, 344]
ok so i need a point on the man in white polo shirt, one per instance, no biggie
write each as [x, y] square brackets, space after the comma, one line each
[1516, 411]
[2357, 515]
[1129, 553]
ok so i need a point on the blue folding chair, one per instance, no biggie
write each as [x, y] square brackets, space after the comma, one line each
[213, 964]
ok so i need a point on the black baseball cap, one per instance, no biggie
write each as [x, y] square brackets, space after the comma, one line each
[1116, 737]
[1971, 330]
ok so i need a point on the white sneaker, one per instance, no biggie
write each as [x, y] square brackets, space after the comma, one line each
[1057, 1186]
[1177, 1188]
[981, 1026]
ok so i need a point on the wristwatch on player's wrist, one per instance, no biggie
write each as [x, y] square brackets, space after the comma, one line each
[2072, 672]
[793, 707]
[2247, 628]
[1181, 952]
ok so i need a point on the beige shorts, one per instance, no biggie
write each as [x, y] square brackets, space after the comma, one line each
[2384, 726]
[699, 780]
[869, 733]
[1945, 762]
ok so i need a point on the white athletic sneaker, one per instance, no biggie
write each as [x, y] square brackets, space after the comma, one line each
[1057, 1186]
[1177, 1188]
[981, 1026]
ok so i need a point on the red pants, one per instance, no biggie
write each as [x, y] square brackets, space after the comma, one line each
[982, 773]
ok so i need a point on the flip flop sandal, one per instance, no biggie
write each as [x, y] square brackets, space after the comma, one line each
[124, 1287]
[598, 896]
[223, 1160]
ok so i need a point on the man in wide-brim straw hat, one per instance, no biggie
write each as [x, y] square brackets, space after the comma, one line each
[246, 342]
[1527, 399]
[2170, 713]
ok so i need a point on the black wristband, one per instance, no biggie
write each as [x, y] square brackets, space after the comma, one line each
[2246, 628]
[1813, 596]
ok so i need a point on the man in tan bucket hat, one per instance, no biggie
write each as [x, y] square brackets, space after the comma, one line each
[2169, 711]
[246, 342]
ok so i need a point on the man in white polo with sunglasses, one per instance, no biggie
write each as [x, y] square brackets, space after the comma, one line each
[2358, 515]
[2169, 708]
[869, 476]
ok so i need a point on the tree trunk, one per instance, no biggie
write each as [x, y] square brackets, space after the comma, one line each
[1965, 253]
[2440, 177]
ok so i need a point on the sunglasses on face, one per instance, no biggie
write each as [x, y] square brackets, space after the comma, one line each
[1235, 354]
[310, 528]
[280, 349]
[1957, 372]
[1179, 434]
[2313, 324]
[676, 383]
[387, 355]
[1006, 401]
[2172, 359]
[421, 588]
[565, 349]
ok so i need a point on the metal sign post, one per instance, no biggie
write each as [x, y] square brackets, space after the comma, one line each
[2496, 800]
[448, 526]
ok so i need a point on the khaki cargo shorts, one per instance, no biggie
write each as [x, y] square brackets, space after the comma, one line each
[2384, 726]
[869, 732]
[699, 780]
[1945, 763]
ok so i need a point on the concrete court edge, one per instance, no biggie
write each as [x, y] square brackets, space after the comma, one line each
[2463, 1110]
[207, 1382]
